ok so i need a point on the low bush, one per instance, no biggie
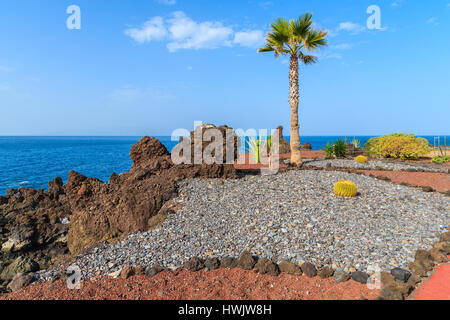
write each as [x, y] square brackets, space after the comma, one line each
[398, 145]
[438, 159]
[337, 149]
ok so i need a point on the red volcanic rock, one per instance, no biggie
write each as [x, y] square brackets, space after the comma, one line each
[131, 200]
[147, 148]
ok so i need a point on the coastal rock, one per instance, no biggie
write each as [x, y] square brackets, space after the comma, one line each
[132, 201]
[31, 228]
[307, 146]
[20, 281]
[285, 146]
[19, 265]
[146, 151]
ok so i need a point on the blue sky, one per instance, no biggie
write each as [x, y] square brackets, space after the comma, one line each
[148, 67]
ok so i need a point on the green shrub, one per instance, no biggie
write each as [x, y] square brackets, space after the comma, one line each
[338, 149]
[398, 145]
[328, 151]
[438, 159]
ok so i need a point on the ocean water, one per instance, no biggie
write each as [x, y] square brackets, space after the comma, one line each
[31, 162]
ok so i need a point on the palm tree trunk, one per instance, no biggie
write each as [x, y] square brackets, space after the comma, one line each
[296, 158]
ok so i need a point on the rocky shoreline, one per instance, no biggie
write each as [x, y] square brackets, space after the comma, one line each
[39, 229]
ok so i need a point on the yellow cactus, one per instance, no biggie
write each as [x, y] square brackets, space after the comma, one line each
[361, 159]
[345, 189]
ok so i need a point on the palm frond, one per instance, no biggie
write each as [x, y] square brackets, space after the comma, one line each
[302, 26]
[290, 37]
[307, 59]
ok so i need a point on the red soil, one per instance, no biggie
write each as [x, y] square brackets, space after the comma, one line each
[249, 166]
[438, 181]
[437, 287]
[222, 284]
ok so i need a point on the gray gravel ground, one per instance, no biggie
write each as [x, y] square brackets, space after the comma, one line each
[289, 216]
[372, 164]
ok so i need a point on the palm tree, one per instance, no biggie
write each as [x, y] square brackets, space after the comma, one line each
[295, 38]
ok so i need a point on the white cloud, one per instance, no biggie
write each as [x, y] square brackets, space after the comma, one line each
[266, 4]
[342, 46]
[129, 94]
[167, 2]
[433, 21]
[5, 87]
[397, 3]
[185, 33]
[351, 27]
[153, 29]
[182, 32]
[5, 68]
[249, 39]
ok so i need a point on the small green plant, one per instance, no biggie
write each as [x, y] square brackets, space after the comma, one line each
[337, 149]
[340, 148]
[328, 151]
[257, 145]
[356, 143]
[439, 159]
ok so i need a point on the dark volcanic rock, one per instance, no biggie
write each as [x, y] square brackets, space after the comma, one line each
[360, 276]
[309, 269]
[228, 262]
[212, 263]
[387, 294]
[290, 268]
[443, 246]
[153, 271]
[400, 274]
[307, 146]
[20, 281]
[246, 261]
[194, 264]
[325, 273]
[285, 146]
[341, 276]
[265, 266]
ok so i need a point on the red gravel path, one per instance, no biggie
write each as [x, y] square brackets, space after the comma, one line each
[437, 287]
[222, 284]
[438, 181]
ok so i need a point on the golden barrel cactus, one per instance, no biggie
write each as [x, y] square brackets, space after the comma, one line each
[361, 159]
[345, 189]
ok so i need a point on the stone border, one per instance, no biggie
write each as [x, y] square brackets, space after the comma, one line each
[396, 284]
